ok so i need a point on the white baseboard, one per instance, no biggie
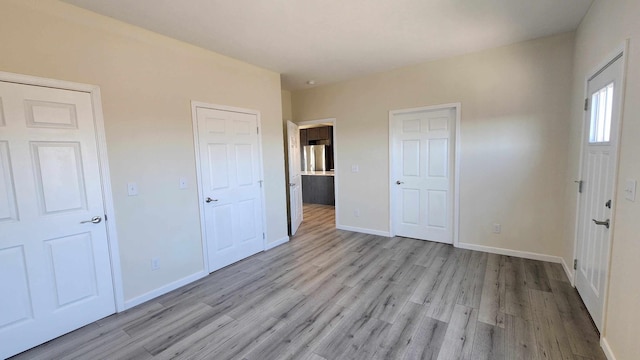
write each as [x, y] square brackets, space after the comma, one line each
[509, 252]
[607, 349]
[164, 289]
[363, 230]
[567, 270]
[273, 244]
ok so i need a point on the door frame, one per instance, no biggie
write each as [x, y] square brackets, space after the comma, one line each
[196, 141]
[334, 145]
[103, 164]
[622, 50]
[456, 164]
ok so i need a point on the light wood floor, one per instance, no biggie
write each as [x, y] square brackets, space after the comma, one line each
[332, 294]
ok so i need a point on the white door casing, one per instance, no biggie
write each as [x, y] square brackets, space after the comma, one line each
[599, 169]
[230, 183]
[55, 269]
[422, 189]
[295, 177]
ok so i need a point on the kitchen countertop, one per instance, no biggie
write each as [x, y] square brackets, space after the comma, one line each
[318, 173]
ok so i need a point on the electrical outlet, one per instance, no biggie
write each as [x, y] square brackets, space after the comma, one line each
[497, 228]
[183, 183]
[356, 212]
[155, 263]
[630, 190]
[132, 189]
[355, 168]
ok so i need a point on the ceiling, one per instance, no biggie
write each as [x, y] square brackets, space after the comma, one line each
[334, 40]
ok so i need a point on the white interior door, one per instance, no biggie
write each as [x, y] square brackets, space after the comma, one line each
[422, 148]
[55, 271]
[598, 182]
[295, 177]
[231, 184]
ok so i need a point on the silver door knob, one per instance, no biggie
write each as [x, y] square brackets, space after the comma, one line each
[602, 223]
[95, 220]
[399, 182]
[208, 200]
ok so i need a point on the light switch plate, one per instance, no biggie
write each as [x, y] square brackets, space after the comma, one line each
[630, 189]
[132, 189]
[355, 168]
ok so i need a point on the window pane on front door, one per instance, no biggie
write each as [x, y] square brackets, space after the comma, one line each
[601, 106]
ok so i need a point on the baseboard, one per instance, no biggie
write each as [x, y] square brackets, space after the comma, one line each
[273, 244]
[363, 230]
[509, 252]
[163, 290]
[607, 349]
[567, 270]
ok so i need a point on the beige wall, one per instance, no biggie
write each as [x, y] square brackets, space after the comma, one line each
[287, 110]
[147, 83]
[515, 111]
[603, 30]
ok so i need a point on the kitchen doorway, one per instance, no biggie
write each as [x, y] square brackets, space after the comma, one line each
[316, 155]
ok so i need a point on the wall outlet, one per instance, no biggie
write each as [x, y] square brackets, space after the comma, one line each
[355, 168]
[183, 183]
[132, 189]
[497, 228]
[155, 263]
[630, 189]
[356, 212]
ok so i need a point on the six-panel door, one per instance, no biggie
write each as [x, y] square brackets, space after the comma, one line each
[55, 272]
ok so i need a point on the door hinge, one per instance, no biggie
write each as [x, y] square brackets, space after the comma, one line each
[105, 217]
[575, 264]
[258, 130]
[260, 182]
[263, 236]
[579, 182]
[586, 104]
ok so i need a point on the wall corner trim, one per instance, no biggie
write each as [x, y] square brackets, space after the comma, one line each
[607, 349]
[164, 289]
[271, 245]
[363, 230]
[569, 272]
[510, 252]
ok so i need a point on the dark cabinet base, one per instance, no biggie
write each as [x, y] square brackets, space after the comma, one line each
[317, 189]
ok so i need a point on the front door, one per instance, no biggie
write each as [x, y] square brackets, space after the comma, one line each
[55, 271]
[229, 154]
[422, 148]
[598, 182]
[295, 177]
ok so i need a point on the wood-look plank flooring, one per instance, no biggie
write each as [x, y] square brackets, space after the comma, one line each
[333, 294]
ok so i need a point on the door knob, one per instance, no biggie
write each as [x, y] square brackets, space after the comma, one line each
[292, 184]
[603, 223]
[208, 200]
[95, 220]
[399, 182]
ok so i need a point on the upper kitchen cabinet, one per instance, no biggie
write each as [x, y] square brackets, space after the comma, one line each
[317, 133]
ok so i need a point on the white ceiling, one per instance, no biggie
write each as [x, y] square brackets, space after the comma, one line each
[334, 40]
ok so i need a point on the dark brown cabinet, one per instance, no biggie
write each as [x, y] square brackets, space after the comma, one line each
[315, 134]
[318, 189]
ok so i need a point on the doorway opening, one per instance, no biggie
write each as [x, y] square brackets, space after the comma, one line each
[312, 177]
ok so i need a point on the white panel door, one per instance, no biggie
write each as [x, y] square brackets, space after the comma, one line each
[231, 185]
[295, 177]
[55, 271]
[596, 201]
[422, 147]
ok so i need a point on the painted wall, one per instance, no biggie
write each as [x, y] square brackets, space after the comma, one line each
[603, 30]
[287, 110]
[147, 83]
[515, 111]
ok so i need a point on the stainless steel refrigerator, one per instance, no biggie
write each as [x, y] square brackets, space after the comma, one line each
[314, 158]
